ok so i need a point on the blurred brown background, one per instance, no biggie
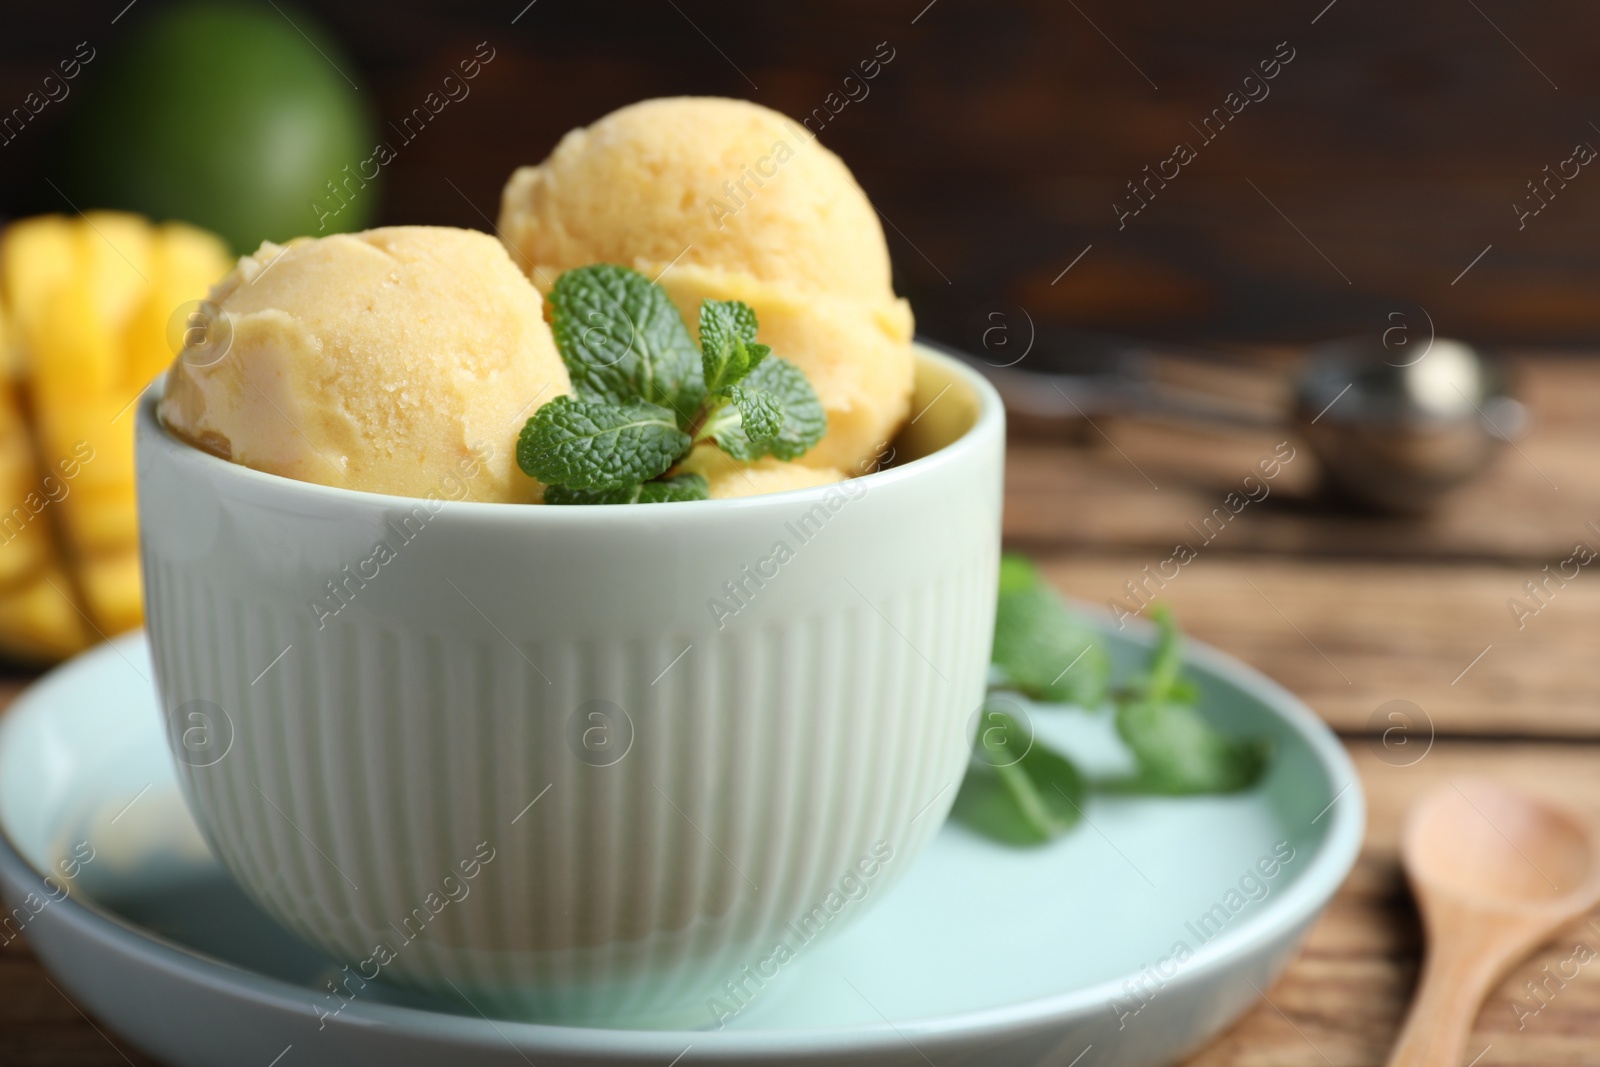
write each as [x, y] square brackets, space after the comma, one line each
[1387, 155]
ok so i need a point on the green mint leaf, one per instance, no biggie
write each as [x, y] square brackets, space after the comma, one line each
[1184, 692]
[1161, 680]
[678, 487]
[623, 340]
[1178, 752]
[760, 415]
[804, 421]
[745, 423]
[1018, 790]
[585, 444]
[1047, 789]
[1040, 649]
[658, 491]
[728, 348]
[726, 428]
[565, 494]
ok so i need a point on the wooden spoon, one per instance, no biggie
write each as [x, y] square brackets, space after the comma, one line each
[1495, 872]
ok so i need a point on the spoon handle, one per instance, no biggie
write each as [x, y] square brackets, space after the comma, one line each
[1455, 979]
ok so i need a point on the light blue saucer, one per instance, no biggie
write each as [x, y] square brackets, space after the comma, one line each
[1133, 940]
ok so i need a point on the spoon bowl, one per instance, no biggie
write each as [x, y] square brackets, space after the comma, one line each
[1496, 872]
[1494, 847]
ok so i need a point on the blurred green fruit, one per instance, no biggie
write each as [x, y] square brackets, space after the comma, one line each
[226, 116]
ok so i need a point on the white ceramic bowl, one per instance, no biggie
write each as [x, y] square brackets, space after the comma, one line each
[581, 764]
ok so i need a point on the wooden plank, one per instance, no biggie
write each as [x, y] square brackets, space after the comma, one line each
[1142, 485]
[41, 1027]
[1348, 636]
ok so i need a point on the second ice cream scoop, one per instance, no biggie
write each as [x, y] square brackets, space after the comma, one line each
[726, 200]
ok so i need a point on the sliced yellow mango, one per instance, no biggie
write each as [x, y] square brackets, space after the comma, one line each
[84, 310]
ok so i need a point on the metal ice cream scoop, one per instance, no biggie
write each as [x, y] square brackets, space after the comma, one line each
[1399, 437]
[1391, 435]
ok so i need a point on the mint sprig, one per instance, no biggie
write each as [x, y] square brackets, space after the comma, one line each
[1038, 649]
[1178, 752]
[644, 398]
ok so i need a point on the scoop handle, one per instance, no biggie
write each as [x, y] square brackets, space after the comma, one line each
[1464, 960]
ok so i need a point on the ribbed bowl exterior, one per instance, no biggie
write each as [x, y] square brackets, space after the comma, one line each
[609, 765]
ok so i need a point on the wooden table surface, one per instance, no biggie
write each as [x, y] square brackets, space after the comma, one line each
[1349, 613]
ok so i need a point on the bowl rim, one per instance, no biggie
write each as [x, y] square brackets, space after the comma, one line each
[152, 434]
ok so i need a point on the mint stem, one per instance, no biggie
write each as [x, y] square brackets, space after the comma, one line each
[1168, 659]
